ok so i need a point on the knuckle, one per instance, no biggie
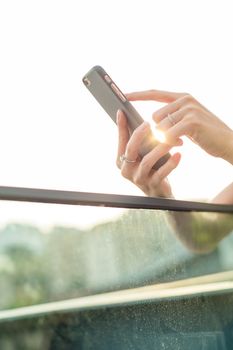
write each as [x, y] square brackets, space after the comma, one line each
[137, 180]
[184, 94]
[125, 173]
[190, 109]
[192, 118]
[187, 98]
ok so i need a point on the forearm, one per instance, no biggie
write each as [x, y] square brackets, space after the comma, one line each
[225, 196]
[201, 232]
[228, 154]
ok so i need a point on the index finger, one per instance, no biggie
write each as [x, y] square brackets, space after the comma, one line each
[154, 95]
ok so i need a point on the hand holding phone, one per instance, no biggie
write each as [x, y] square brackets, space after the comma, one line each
[111, 98]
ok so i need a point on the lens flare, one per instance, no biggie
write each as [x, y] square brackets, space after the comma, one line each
[159, 135]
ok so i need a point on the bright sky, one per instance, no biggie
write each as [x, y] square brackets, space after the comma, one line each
[54, 134]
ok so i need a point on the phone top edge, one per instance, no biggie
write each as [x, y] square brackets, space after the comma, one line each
[96, 68]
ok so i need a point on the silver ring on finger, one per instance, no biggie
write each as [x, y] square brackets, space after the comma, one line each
[123, 158]
[171, 119]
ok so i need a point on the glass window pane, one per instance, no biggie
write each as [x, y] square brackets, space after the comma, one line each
[56, 252]
[84, 277]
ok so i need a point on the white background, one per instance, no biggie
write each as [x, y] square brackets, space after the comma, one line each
[54, 134]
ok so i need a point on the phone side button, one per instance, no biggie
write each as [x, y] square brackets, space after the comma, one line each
[117, 91]
[107, 78]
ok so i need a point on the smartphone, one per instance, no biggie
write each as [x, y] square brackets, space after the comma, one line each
[111, 98]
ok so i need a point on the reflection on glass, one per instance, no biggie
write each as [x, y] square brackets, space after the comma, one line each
[127, 249]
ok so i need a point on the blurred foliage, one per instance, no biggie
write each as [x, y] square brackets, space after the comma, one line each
[136, 249]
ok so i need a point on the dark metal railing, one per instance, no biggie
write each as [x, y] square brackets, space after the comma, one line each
[107, 200]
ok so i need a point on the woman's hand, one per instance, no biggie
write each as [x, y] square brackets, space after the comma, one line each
[140, 171]
[183, 115]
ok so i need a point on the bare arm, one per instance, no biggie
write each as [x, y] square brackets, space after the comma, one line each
[201, 232]
[225, 196]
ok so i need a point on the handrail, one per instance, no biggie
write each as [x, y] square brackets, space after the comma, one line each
[194, 287]
[106, 200]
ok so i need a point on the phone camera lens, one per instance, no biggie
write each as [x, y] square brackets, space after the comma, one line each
[86, 81]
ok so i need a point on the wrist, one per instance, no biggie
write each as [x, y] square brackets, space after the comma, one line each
[161, 194]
